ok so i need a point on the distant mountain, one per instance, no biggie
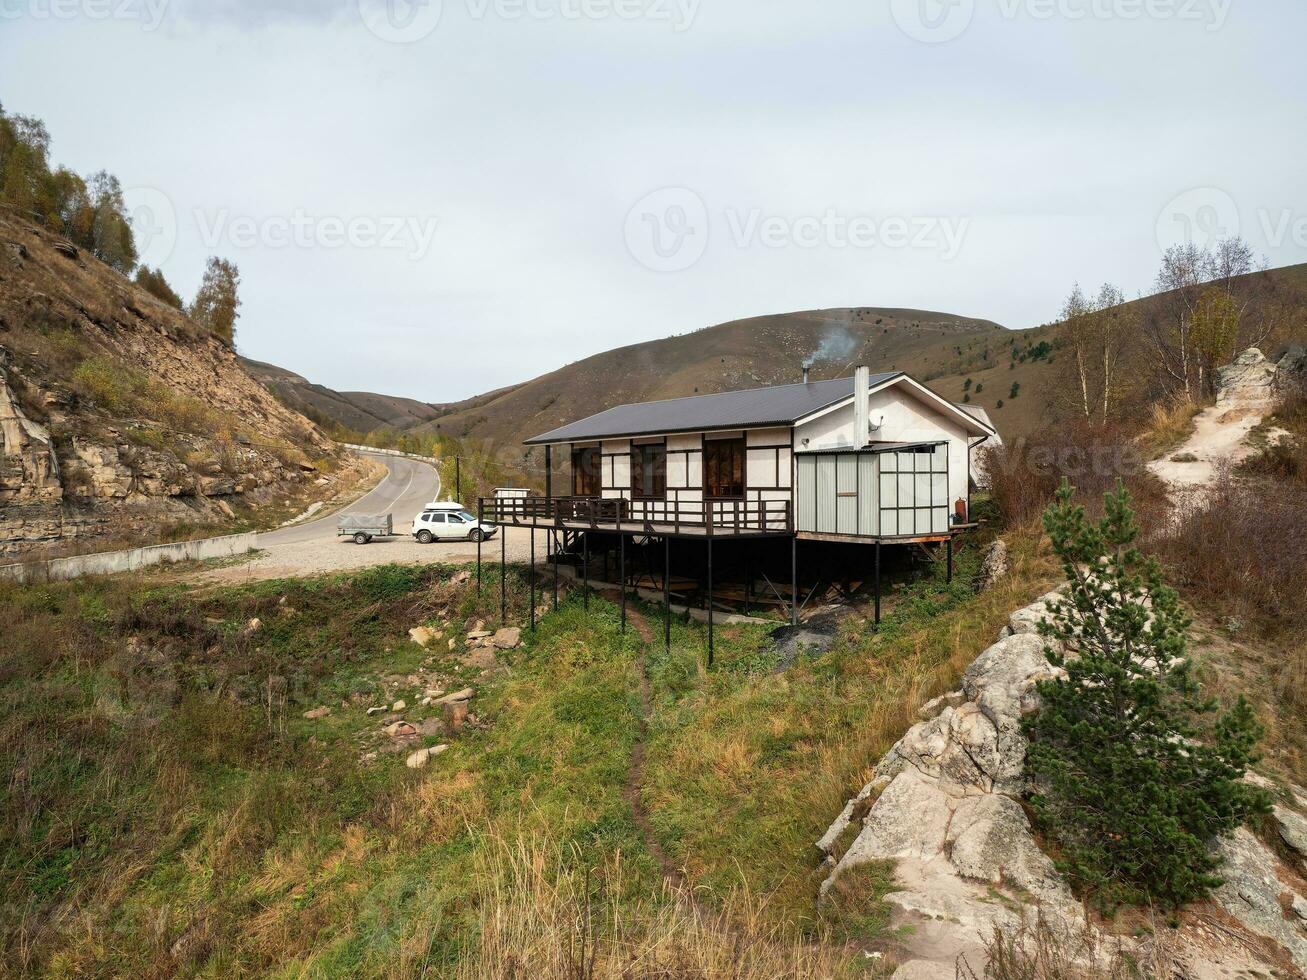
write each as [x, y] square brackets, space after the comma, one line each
[359, 411]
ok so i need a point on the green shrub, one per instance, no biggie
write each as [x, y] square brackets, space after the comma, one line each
[1133, 778]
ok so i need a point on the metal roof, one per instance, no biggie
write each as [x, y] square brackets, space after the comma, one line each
[750, 409]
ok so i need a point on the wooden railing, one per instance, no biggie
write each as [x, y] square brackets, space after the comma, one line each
[688, 516]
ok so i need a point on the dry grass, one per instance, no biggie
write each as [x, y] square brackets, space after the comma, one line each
[547, 914]
[1039, 951]
[1027, 472]
[1169, 424]
[746, 772]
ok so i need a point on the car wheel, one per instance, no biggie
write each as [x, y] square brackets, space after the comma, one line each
[361, 538]
[425, 537]
[477, 535]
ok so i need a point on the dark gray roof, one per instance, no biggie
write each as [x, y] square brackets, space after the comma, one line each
[751, 409]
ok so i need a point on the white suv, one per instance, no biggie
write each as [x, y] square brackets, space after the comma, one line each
[449, 522]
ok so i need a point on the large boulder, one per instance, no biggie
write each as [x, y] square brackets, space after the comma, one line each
[1249, 380]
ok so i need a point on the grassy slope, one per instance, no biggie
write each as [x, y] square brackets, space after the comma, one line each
[183, 817]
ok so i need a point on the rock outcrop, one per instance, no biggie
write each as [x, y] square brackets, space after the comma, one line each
[944, 805]
[120, 416]
[1249, 380]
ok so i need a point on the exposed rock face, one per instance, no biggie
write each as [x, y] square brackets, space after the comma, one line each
[1250, 380]
[117, 414]
[995, 566]
[946, 810]
[29, 469]
[1255, 894]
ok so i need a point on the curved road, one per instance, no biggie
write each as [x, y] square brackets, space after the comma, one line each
[408, 487]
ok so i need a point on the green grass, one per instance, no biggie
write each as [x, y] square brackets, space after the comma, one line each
[167, 809]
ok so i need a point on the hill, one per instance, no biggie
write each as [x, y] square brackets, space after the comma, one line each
[741, 354]
[120, 416]
[359, 411]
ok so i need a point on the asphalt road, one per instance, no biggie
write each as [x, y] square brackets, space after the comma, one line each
[313, 548]
[409, 485]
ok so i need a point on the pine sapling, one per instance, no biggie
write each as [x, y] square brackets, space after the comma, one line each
[1134, 775]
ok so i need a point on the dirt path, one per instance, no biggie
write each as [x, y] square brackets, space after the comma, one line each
[634, 791]
[1220, 437]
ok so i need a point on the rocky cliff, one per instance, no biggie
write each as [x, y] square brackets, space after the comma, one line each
[945, 805]
[119, 417]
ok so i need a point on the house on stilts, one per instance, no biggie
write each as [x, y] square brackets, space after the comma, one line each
[861, 462]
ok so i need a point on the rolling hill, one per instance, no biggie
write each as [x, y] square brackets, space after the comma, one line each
[360, 411]
[961, 357]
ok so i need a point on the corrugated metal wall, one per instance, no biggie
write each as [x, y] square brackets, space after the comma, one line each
[837, 493]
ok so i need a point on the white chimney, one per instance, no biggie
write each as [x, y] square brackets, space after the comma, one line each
[806, 370]
[861, 407]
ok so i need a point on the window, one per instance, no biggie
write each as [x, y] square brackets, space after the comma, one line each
[436, 518]
[585, 472]
[723, 467]
[649, 472]
[456, 519]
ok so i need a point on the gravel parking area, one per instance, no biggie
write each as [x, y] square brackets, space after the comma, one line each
[325, 555]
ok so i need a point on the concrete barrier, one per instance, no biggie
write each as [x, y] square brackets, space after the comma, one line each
[391, 452]
[114, 562]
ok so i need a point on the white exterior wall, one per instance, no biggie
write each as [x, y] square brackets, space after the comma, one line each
[907, 419]
[616, 468]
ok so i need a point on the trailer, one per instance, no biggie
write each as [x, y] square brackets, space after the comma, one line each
[364, 529]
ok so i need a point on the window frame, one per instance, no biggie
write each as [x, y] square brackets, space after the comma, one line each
[581, 475]
[641, 454]
[739, 452]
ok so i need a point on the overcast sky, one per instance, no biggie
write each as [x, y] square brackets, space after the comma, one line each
[436, 200]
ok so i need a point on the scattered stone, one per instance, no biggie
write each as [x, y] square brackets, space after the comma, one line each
[481, 658]
[423, 636]
[475, 635]
[456, 717]
[431, 728]
[422, 756]
[453, 642]
[399, 706]
[508, 638]
[461, 578]
[317, 713]
[464, 695]
[401, 729]
[377, 711]
[253, 626]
